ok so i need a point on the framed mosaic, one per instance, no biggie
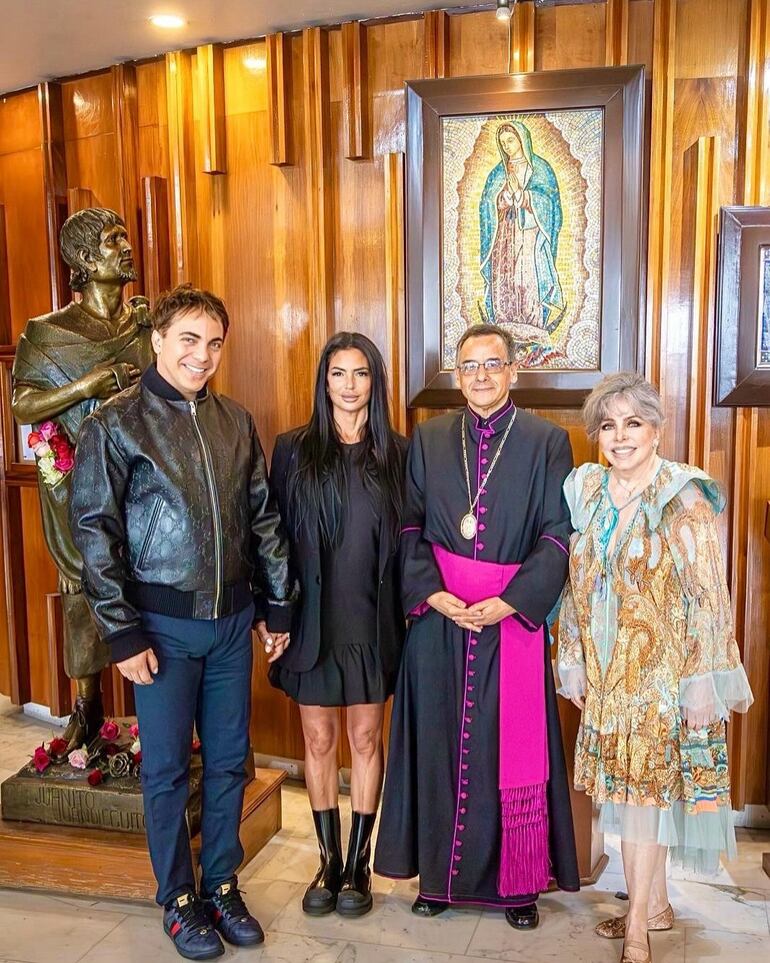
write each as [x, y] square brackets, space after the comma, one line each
[742, 352]
[525, 210]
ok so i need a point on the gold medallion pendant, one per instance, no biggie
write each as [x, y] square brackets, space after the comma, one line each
[468, 526]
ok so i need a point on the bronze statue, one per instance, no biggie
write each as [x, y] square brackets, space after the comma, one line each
[67, 363]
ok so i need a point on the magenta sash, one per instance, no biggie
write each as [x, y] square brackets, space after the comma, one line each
[523, 774]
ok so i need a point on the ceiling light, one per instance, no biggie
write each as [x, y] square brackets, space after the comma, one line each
[255, 63]
[167, 21]
[503, 11]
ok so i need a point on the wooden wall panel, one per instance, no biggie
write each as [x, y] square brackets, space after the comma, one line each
[302, 240]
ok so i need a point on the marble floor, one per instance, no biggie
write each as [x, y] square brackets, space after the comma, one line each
[725, 918]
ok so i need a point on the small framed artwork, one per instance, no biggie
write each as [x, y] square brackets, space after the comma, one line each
[742, 351]
[18, 458]
[525, 210]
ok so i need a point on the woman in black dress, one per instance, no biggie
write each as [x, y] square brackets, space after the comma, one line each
[339, 482]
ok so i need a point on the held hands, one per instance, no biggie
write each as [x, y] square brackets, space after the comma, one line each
[275, 643]
[139, 669]
[471, 617]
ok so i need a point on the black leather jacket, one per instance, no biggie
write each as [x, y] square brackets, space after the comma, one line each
[171, 511]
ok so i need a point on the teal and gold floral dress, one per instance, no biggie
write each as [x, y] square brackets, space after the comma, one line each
[645, 632]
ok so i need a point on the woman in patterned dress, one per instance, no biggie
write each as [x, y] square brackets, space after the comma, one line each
[647, 652]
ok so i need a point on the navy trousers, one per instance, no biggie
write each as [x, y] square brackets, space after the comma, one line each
[204, 677]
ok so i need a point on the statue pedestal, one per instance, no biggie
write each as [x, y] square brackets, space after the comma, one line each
[116, 865]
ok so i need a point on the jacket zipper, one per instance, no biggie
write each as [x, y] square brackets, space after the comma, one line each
[209, 472]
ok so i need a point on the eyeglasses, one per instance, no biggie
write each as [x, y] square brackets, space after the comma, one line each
[493, 365]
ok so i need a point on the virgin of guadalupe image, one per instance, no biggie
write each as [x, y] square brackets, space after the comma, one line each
[521, 217]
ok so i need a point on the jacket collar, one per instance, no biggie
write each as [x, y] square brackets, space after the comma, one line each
[158, 385]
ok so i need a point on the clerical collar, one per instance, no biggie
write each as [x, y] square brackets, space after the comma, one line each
[484, 424]
[154, 381]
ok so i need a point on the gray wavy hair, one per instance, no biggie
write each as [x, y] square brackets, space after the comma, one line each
[635, 389]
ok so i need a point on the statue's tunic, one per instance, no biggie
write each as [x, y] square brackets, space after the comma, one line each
[55, 350]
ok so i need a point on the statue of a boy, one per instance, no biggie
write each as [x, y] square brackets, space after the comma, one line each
[67, 363]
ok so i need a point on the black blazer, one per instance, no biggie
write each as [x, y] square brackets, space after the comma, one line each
[305, 562]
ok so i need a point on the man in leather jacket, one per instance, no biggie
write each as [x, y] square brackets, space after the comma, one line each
[180, 540]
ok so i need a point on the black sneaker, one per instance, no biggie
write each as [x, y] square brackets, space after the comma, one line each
[186, 923]
[231, 917]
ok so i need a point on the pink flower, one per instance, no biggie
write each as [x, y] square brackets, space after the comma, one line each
[110, 730]
[78, 758]
[41, 759]
[133, 730]
[47, 430]
[64, 462]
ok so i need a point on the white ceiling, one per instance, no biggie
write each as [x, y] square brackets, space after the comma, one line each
[45, 39]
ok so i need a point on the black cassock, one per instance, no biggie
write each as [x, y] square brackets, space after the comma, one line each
[441, 808]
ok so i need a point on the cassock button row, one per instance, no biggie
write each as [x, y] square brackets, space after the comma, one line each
[483, 510]
[466, 735]
[480, 546]
[455, 872]
[471, 658]
[463, 811]
[482, 527]
[485, 447]
[484, 461]
[474, 641]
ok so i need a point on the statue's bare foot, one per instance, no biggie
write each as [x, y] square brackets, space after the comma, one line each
[85, 722]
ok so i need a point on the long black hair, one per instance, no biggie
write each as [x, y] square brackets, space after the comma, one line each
[317, 482]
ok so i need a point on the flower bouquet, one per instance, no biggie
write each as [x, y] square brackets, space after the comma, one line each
[54, 452]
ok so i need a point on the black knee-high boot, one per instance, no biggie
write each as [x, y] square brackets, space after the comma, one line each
[355, 896]
[321, 896]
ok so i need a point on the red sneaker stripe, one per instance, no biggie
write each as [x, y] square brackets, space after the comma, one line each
[175, 928]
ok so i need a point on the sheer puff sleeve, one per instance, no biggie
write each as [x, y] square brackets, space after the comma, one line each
[580, 492]
[713, 681]
[570, 665]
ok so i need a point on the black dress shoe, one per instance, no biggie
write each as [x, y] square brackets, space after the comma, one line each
[321, 896]
[355, 896]
[428, 907]
[522, 917]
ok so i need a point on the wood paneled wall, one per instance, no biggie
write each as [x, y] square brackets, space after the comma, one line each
[281, 160]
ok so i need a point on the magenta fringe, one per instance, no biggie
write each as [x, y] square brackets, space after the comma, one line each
[525, 866]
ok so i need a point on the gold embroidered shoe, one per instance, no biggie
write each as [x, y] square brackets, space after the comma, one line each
[615, 928]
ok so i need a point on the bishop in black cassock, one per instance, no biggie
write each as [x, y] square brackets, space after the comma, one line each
[476, 799]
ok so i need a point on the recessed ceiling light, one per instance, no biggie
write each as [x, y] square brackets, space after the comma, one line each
[167, 21]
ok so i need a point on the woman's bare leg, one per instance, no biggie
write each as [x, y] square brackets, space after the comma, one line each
[640, 862]
[365, 737]
[321, 730]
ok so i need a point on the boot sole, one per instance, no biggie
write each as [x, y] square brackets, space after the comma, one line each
[356, 909]
[319, 910]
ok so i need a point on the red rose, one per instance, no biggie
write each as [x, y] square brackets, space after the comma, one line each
[41, 759]
[57, 746]
[33, 438]
[196, 745]
[136, 758]
[95, 777]
[59, 445]
[64, 462]
[110, 730]
[111, 750]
